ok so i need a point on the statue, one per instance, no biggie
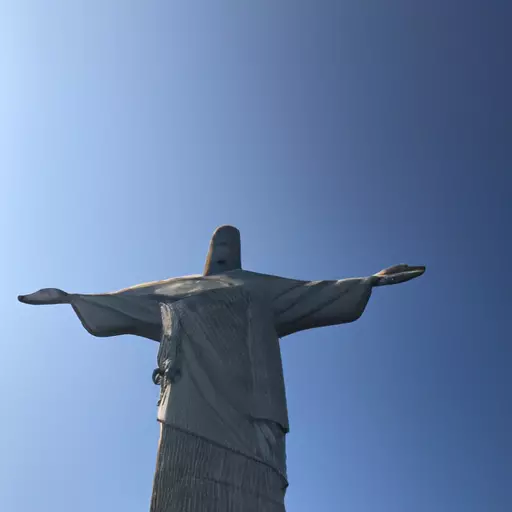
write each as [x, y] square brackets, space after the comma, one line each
[222, 406]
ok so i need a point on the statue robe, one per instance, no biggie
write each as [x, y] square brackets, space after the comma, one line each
[221, 336]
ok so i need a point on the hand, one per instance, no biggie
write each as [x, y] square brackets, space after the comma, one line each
[397, 274]
[46, 296]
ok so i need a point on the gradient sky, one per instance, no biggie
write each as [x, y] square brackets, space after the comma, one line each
[341, 137]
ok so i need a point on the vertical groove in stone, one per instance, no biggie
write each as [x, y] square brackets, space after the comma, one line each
[193, 475]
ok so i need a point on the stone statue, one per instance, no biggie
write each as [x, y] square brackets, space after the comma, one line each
[222, 406]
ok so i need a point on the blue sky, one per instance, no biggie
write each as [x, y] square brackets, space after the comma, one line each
[341, 138]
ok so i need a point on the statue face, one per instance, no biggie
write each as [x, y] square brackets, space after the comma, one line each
[221, 250]
[224, 253]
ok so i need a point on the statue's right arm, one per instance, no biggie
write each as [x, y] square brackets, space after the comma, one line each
[107, 314]
[115, 314]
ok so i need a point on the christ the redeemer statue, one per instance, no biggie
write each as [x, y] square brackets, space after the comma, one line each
[222, 405]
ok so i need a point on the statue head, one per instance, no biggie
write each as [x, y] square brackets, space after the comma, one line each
[224, 253]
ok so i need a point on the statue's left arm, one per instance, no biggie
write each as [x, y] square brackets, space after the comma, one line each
[300, 305]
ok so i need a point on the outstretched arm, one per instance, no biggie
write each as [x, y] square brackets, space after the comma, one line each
[106, 314]
[301, 305]
[308, 304]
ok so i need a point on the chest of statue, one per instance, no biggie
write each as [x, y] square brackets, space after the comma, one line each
[221, 347]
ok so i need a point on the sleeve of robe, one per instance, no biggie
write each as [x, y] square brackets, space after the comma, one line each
[115, 314]
[300, 305]
[135, 310]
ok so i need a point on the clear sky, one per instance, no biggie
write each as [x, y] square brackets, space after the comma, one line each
[341, 137]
